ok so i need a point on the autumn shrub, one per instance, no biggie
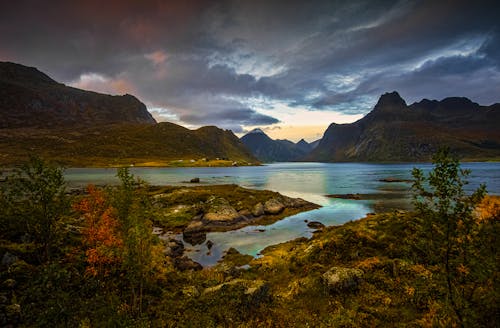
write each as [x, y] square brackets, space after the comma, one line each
[451, 239]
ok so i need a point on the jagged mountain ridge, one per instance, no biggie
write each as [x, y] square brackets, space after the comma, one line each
[394, 131]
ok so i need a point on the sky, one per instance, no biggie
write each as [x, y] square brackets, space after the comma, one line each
[288, 67]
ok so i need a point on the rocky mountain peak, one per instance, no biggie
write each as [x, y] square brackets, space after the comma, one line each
[302, 142]
[256, 130]
[17, 73]
[390, 100]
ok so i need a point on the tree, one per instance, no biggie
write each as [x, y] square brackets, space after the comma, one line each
[140, 251]
[101, 235]
[34, 198]
[448, 228]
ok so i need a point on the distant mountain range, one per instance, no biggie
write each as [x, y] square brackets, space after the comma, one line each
[269, 150]
[394, 131]
[82, 128]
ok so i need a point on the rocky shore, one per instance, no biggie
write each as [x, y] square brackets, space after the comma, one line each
[195, 211]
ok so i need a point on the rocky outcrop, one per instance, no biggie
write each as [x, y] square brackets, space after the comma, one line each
[220, 212]
[341, 279]
[254, 291]
[273, 206]
[315, 225]
[185, 263]
[258, 210]
[220, 215]
[174, 248]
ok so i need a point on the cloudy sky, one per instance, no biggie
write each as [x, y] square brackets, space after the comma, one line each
[289, 67]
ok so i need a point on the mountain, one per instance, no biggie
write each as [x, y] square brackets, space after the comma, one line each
[304, 146]
[123, 144]
[81, 128]
[269, 150]
[394, 131]
[314, 144]
[30, 98]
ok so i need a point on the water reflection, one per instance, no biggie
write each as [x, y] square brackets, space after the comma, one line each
[310, 181]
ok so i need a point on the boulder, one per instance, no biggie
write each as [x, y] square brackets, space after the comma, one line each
[194, 238]
[209, 244]
[255, 291]
[195, 180]
[293, 202]
[341, 279]
[273, 206]
[184, 263]
[13, 311]
[8, 259]
[258, 210]
[221, 211]
[315, 225]
[174, 248]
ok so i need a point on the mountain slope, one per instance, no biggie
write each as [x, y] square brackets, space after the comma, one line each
[82, 128]
[394, 131]
[268, 150]
[139, 144]
[29, 98]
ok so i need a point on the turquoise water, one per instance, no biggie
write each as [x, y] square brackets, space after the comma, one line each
[310, 181]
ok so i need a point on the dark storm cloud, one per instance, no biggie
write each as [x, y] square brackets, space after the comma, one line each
[245, 116]
[203, 62]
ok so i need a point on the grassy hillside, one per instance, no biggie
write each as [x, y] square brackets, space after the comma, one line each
[161, 144]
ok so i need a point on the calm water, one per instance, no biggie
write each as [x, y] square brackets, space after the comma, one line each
[310, 181]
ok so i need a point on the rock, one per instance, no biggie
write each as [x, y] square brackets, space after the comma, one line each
[341, 279]
[273, 206]
[9, 283]
[195, 180]
[395, 180]
[184, 263]
[190, 291]
[255, 291]
[8, 259]
[315, 225]
[195, 237]
[258, 210]
[244, 213]
[258, 291]
[232, 251]
[209, 244]
[294, 202]
[13, 311]
[345, 196]
[194, 226]
[222, 212]
[174, 248]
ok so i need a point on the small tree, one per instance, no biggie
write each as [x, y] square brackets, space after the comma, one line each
[134, 211]
[35, 197]
[447, 226]
[101, 235]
